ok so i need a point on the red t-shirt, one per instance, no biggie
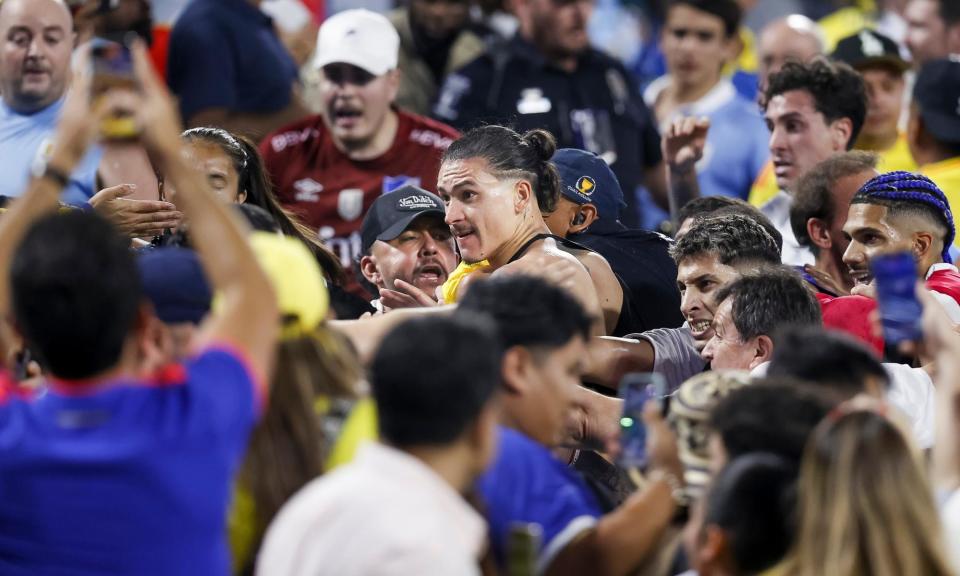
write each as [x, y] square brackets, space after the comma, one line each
[331, 192]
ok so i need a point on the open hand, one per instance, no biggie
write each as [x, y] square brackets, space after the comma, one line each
[405, 295]
[135, 218]
[684, 142]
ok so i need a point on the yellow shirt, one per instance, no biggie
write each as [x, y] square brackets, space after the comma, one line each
[946, 174]
[844, 22]
[765, 187]
[897, 157]
[452, 285]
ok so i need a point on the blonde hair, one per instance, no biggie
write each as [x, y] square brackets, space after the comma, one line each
[866, 506]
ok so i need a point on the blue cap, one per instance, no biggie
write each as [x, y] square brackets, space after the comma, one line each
[586, 179]
[174, 282]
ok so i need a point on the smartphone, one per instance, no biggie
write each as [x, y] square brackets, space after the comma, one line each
[635, 390]
[112, 68]
[895, 278]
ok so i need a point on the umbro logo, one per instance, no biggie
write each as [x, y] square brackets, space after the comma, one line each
[308, 190]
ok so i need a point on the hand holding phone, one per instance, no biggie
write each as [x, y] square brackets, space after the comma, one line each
[112, 68]
[635, 390]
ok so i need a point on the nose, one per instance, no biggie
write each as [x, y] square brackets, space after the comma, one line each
[708, 350]
[429, 246]
[853, 255]
[689, 301]
[454, 214]
[34, 50]
[777, 139]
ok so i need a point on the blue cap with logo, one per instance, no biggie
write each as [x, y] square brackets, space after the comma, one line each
[392, 213]
[586, 179]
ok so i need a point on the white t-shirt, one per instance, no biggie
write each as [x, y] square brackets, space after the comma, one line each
[911, 390]
[386, 513]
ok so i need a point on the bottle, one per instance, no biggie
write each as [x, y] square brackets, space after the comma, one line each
[523, 549]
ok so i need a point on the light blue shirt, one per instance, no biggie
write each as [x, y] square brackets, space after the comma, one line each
[23, 137]
[737, 144]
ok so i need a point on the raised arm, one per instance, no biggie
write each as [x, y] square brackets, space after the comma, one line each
[683, 145]
[247, 317]
[75, 130]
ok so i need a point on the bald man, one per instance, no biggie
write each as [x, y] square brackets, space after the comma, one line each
[35, 57]
[795, 37]
[34, 74]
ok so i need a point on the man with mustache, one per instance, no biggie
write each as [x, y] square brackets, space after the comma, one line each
[406, 243]
[330, 168]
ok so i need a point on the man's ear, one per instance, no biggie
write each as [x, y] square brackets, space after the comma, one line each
[370, 271]
[515, 369]
[819, 233]
[841, 131]
[585, 217]
[763, 351]
[922, 244]
[524, 197]
[393, 84]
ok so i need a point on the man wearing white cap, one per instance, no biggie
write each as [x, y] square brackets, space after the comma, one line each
[329, 168]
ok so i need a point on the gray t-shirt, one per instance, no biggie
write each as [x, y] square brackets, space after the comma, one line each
[675, 355]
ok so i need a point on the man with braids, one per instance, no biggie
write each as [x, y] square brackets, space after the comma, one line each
[904, 211]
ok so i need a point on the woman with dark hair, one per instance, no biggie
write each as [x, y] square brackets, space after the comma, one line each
[495, 184]
[234, 171]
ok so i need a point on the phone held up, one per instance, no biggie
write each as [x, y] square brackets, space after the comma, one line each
[635, 390]
[895, 277]
[112, 68]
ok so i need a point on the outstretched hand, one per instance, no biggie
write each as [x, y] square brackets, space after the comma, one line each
[684, 142]
[135, 218]
[405, 295]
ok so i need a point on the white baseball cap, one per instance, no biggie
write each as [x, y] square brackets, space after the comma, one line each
[359, 37]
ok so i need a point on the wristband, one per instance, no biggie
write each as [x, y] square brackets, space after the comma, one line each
[43, 170]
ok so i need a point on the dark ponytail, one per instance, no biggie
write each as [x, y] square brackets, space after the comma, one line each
[511, 155]
[255, 182]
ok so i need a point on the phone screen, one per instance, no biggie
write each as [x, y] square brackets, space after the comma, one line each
[635, 390]
[895, 276]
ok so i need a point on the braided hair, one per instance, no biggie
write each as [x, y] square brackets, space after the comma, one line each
[906, 191]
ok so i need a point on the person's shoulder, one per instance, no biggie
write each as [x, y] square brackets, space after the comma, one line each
[599, 58]
[427, 132]
[197, 18]
[295, 135]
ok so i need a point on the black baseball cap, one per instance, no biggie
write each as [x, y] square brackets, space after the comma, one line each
[392, 213]
[869, 48]
[937, 95]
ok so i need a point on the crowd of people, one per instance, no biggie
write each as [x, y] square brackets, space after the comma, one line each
[364, 293]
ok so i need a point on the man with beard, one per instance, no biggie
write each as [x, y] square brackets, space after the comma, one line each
[330, 168]
[548, 77]
[436, 38]
[406, 243]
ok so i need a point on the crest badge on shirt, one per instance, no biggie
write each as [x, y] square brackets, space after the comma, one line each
[532, 101]
[350, 204]
[392, 183]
